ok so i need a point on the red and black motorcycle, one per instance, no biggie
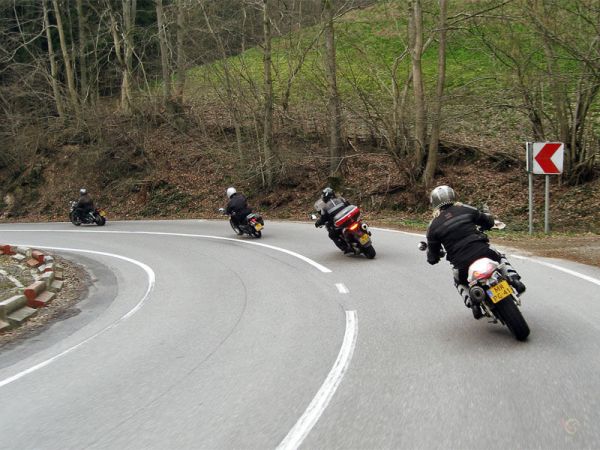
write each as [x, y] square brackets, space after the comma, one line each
[356, 233]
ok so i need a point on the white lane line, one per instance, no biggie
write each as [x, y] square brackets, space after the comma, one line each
[562, 269]
[151, 281]
[313, 263]
[527, 258]
[341, 287]
[313, 412]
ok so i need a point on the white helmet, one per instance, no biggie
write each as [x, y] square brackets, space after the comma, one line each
[82, 191]
[230, 192]
[441, 196]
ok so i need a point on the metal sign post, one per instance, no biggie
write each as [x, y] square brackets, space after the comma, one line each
[543, 158]
[529, 158]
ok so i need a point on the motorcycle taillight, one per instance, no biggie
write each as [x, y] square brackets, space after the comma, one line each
[354, 226]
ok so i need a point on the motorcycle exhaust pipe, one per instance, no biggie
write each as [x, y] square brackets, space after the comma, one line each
[364, 227]
[477, 294]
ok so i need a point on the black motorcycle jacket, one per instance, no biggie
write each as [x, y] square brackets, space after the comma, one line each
[85, 202]
[328, 210]
[238, 205]
[456, 229]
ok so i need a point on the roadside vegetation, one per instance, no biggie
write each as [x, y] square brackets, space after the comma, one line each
[156, 106]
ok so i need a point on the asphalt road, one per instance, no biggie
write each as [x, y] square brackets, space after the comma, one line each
[189, 340]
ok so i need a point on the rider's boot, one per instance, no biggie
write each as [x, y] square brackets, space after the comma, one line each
[475, 307]
[512, 275]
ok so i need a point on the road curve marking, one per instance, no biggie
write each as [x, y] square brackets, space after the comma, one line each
[313, 263]
[527, 258]
[313, 412]
[151, 281]
[562, 269]
[342, 289]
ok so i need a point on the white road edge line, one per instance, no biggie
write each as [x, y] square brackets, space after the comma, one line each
[315, 264]
[313, 412]
[151, 281]
[341, 287]
[527, 258]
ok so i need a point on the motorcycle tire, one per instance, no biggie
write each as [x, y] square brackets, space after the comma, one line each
[100, 221]
[74, 220]
[257, 234]
[369, 252]
[511, 315]
[236, 229]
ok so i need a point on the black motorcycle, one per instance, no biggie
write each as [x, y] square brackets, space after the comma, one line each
[252, 225]
[96, 216]
[490, 288]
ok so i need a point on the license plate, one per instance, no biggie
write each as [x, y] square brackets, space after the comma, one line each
[258, 227]
[500, 291]
[364, 239]
[102, 213]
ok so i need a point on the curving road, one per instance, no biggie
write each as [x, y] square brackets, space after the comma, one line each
[193, 338]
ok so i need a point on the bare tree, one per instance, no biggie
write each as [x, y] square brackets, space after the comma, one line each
[436, 119]
[64, 46]
[181, 64]
[164, 57]
[84, 90]
[268, 96]
[416, 52]
[52, 57]
[333, 100]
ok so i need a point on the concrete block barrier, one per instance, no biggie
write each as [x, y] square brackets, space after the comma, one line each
[33, 263]
[25, 251]
[39, 256]
[18, 257]
[48, 278]
[10, 305]
[34, 289]
[7, 249]
[41, 300]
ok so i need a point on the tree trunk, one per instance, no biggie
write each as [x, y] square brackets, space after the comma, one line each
[84, 90]
[333, 104]
[434, 138]
[129, 12]
[53, 70]
[181, 30]
[66, 59]
[416, 52]
[268, 97]
[164, 60]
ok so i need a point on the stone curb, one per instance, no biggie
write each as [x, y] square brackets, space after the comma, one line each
[49, 280]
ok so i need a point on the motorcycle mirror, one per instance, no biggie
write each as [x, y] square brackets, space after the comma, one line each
[422, 246]
[221, 210]
[313, 216]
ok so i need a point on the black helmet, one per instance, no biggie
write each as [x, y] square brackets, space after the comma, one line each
[327, 194]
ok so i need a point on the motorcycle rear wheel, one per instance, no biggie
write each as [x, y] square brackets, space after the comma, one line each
[100, 221]
[74, 220]
[511, 315]
[257, 234]
[369, 252]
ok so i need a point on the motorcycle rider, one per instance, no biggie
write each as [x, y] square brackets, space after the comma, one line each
[237, 207]
[328, 206]
[84, 205]
[455, 227]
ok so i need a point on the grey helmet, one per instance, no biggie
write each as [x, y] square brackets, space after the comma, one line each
[442, 196]
[82, 191]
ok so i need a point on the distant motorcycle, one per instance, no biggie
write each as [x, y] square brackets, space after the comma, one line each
[489, 287]
[353, 230]
[96, 216]
[252, 225]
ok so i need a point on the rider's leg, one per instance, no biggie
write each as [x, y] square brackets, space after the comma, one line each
[334, 235]
[510, 272]
[461, 285]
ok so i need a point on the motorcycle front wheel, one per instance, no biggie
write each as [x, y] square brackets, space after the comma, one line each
[236, 228]
[369, 252]
[74, 219]
[511, 315]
